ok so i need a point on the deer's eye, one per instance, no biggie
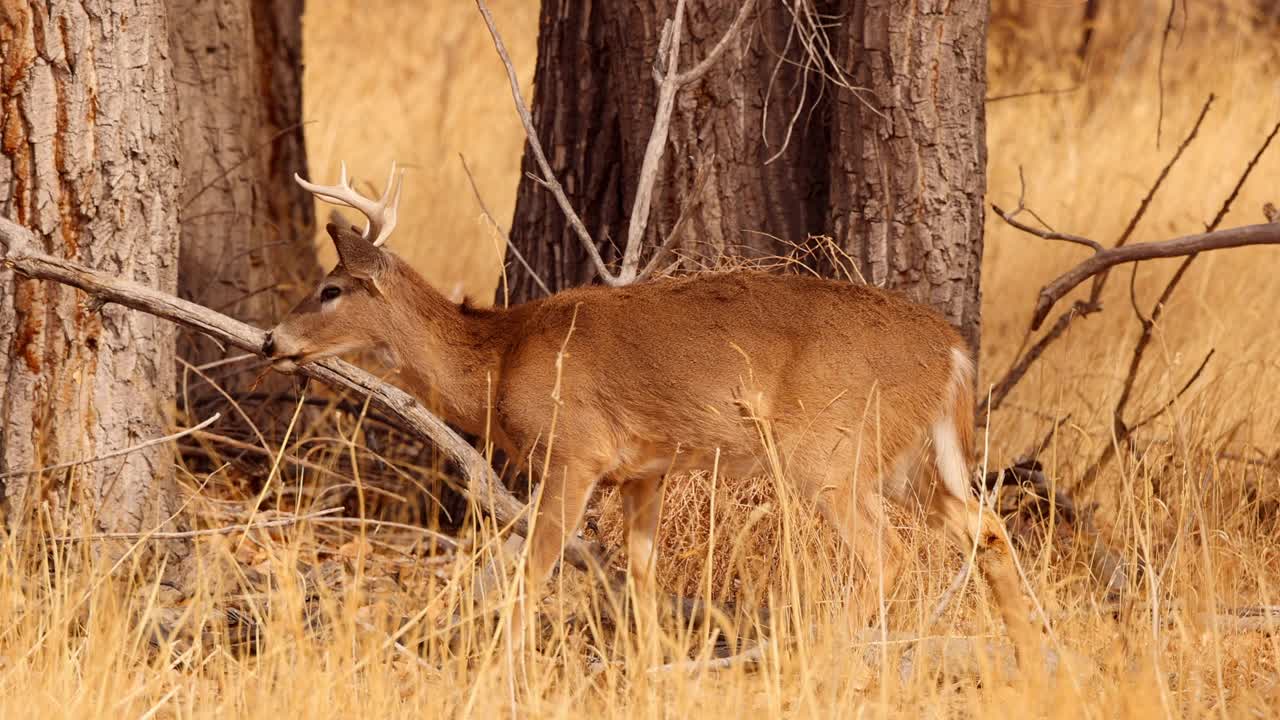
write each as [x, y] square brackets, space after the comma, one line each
[330, 293]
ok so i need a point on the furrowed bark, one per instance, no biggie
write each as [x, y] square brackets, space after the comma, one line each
[89, 163]
[909, 152]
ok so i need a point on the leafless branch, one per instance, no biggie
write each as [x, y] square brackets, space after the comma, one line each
[1034, 93]
[1121, 429]
[1264, 234]
[1096, 291]
[225, 530]
[483, 487]
[671, 81]
[701, 68]
[475, 189]
[548, 178]
[1011, 219]
[117, 453]
[1024, 361]
[673, 237]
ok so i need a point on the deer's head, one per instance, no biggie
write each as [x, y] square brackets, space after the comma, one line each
[351, 309]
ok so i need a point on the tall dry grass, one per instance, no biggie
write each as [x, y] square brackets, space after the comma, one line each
[375, 620]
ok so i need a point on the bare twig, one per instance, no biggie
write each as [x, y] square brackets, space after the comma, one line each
[1010, 218]
[1121, 429]
[489, 216]
[1023, 362]
[1020, 367]
[117, 453]
[1164, 43]
[701, 68]
[1033, 93]
[673, 237]
[483, 487]
[670, 82]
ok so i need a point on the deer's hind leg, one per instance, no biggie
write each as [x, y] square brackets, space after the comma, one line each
[851, 503]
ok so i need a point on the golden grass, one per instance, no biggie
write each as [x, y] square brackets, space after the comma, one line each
[418, 82]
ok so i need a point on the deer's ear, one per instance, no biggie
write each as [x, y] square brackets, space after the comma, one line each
[359, 256]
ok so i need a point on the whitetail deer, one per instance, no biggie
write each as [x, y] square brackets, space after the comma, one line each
[862, 391]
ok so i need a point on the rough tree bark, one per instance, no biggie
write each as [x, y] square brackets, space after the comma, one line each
[247, 245]
[909, 156]
[89, 162]
[775, 145]
[593, 108]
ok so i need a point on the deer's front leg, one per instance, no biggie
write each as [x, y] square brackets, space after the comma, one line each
[566, 488]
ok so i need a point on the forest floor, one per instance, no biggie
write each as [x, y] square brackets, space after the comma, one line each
[374, 618]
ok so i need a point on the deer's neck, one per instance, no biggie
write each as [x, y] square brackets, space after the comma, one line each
[449, 355]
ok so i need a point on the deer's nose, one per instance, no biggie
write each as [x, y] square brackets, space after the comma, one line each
[269, 345]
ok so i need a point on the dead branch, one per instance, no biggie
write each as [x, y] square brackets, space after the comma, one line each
[484, 208]
[1081, 308]
[1121, 429]
[483, 487]
[670, 82]
[226, 530]
[1263, 234]
[548, 178]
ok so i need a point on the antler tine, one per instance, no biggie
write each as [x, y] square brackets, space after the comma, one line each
[390, 204]
[381, 214]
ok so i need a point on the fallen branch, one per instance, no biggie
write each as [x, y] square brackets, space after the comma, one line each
[483, 487]
[185, 534]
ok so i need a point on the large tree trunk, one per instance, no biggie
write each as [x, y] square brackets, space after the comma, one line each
[772, 146]
[90, 163]
[247, 245]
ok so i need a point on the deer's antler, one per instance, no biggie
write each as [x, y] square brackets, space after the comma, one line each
[381, 213]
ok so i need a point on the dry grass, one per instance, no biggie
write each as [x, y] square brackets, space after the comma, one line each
[420, 85]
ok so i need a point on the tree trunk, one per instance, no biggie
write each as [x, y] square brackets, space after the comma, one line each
[593, 110]
[909, 155]
[90, 164]
[247, 245]
[773, 146]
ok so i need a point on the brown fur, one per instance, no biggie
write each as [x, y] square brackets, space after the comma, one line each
[628, 385]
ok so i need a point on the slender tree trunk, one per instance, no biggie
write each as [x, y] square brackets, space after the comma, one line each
[774, 145]
[89, 161]
[247, 245]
